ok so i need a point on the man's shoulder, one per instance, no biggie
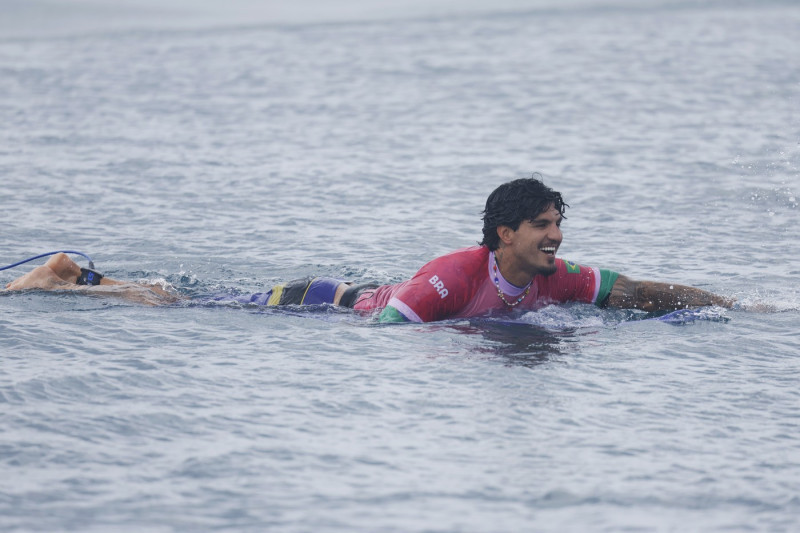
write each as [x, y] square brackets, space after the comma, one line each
[576, 282]
[564, 266]
[566, 271]
[459, 269]
[464, 257]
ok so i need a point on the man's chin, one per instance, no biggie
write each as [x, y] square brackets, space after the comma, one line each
[548, 271]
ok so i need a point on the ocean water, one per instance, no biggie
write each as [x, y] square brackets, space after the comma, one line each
[235, 148]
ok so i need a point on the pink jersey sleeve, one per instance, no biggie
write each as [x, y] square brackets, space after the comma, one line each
[442, 287]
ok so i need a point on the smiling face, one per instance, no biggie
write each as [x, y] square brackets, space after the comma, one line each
[530, 250]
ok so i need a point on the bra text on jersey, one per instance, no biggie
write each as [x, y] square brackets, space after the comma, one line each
[438, 285]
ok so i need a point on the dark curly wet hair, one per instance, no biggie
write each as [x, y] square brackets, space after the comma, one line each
[513, 202]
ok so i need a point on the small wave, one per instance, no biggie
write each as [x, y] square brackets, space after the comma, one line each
[774, 302]
[561, 318]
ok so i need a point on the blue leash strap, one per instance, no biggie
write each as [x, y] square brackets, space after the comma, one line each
[91, 263]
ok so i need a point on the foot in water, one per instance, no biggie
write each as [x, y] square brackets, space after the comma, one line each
[60, 273]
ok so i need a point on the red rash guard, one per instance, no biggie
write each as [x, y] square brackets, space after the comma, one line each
[462, 284]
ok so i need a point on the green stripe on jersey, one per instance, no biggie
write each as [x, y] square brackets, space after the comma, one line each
[607, 280]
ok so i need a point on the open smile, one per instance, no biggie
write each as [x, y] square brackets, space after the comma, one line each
[549, 250]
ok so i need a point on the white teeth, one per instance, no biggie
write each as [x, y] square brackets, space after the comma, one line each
[548, 249]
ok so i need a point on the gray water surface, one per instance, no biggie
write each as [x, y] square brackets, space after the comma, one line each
[227, 156]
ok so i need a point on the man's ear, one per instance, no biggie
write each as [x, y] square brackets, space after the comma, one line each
[506, 234]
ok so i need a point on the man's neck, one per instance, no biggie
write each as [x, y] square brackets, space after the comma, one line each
[510, 270]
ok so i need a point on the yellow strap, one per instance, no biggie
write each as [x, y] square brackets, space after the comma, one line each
[275, 297]
[303, 299]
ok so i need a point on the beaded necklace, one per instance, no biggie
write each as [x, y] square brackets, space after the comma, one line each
[500, 293]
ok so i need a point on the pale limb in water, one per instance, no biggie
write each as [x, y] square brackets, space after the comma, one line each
[61, 273]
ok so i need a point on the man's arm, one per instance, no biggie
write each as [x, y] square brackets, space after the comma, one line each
[654, 296]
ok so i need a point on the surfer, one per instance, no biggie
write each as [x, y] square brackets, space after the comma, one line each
[515, 267]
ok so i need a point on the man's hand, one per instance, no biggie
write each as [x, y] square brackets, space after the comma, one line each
[655, 296]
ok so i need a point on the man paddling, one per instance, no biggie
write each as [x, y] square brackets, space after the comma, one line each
[514, 268]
